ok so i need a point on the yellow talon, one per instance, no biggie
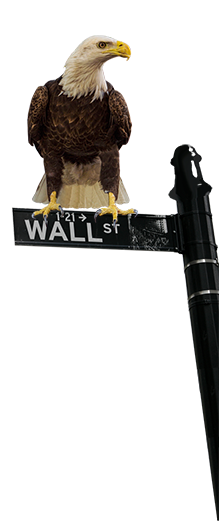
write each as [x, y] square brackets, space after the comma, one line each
[111, 209]
[52, 206]
[114, 210]
[128, 211]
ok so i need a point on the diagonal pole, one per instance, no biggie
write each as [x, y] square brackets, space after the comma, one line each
[202, 280]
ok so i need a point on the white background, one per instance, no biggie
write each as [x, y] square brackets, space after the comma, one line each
[107, 458]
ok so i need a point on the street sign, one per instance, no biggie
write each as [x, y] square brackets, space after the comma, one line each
[79, 229]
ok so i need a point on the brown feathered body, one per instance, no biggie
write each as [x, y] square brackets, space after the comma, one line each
[79, 140]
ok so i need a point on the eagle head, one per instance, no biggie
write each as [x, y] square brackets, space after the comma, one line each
[100, 49]
[84, 68]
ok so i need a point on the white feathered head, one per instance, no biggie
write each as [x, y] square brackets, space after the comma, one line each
[83, 69]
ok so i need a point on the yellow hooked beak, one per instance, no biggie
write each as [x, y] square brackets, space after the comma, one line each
[120, 49]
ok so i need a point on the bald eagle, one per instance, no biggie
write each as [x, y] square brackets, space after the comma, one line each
[78, 123]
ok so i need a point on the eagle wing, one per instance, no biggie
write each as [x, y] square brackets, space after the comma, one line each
[121, 121]
[37, 115]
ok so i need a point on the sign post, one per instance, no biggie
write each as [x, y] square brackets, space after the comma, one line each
[202, 280]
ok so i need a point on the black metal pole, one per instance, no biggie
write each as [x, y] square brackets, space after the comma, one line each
[202, 280]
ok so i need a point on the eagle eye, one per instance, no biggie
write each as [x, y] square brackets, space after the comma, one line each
[101, 45]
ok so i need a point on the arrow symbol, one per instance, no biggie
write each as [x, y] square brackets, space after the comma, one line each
[82, 217]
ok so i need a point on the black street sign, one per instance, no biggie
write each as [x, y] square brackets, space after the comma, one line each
[78, 229]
